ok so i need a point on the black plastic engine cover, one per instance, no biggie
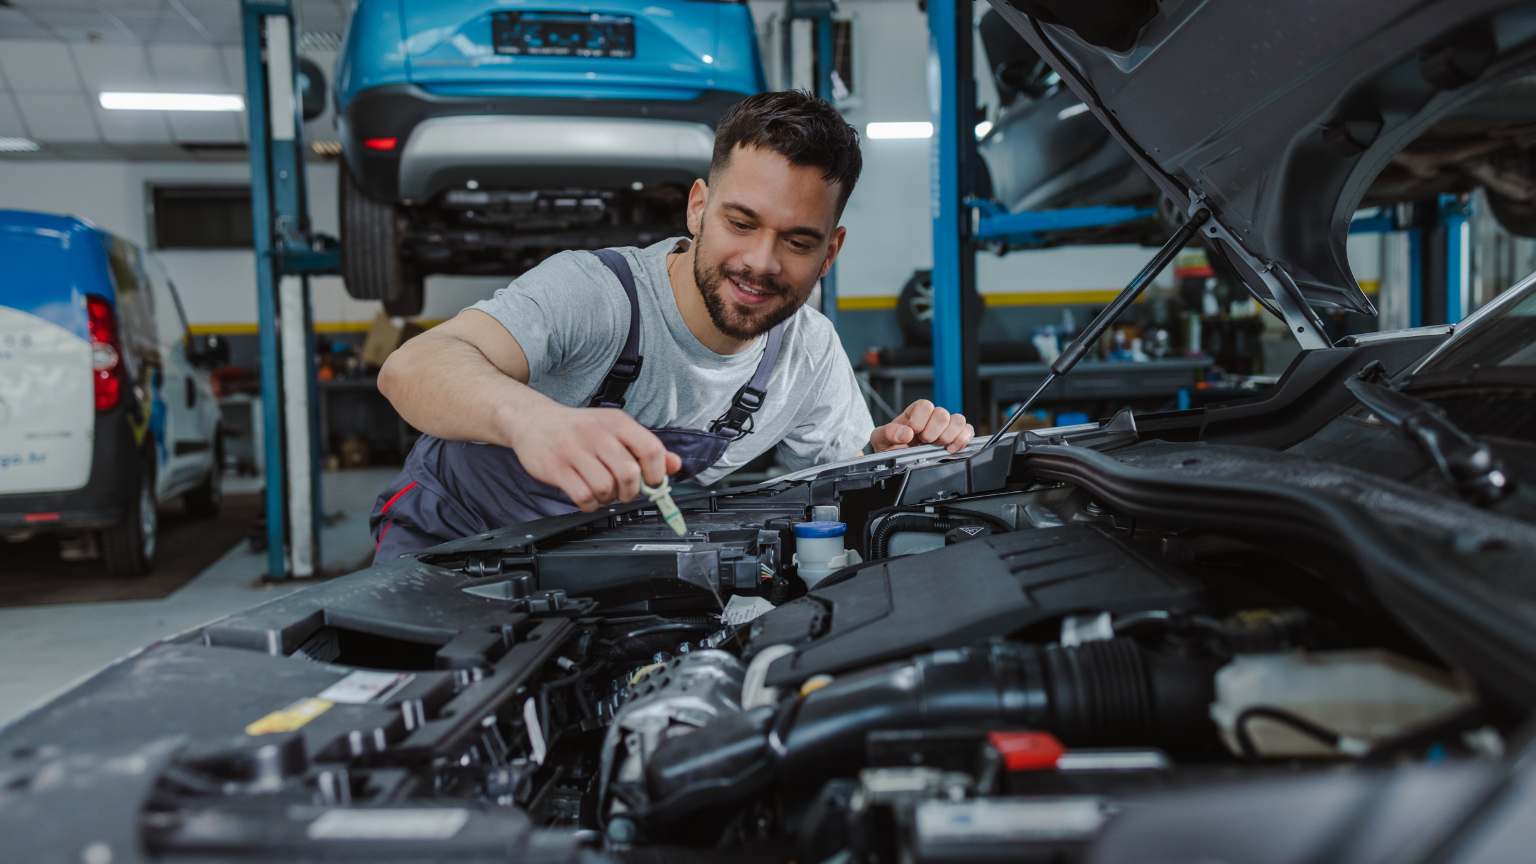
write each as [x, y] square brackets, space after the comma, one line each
[960, 594]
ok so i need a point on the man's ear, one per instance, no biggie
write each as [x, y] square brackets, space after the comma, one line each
[698, 198]
[834, 246]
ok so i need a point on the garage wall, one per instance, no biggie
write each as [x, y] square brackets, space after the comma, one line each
[218, 287]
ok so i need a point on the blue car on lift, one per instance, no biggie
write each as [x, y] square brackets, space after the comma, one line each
[481, 136]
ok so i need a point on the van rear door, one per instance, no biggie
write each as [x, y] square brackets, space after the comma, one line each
[47, 403]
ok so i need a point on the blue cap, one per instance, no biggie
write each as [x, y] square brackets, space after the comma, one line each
[820, 529]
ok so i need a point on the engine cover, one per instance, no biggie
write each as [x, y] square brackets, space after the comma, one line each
[958, 595]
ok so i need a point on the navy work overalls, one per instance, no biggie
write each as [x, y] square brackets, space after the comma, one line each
[452, 489]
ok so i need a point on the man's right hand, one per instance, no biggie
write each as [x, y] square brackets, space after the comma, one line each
[596, 456]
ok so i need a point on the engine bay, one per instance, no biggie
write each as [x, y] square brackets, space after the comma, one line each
[986, 674]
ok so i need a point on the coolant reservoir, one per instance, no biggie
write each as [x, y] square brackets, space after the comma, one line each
[1365, 695]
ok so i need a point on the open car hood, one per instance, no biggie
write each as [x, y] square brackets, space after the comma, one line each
[1276, 116]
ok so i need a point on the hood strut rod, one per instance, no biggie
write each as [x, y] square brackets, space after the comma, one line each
[1090, 335]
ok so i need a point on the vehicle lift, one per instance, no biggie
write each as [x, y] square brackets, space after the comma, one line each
[287, 254]
[1438, 231]
[1439, 255]
[819, 13]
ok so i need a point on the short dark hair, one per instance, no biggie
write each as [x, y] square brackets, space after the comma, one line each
[807, 131]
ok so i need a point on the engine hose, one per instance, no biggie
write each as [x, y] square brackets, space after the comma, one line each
[1100, 693]
[927, 523]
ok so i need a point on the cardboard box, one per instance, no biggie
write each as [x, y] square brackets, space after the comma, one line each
[384, 336]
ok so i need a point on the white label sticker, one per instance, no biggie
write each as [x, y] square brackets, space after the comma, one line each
[389, 824]
[361, 687]
[535, 734]
[739, 610]
[663, 547]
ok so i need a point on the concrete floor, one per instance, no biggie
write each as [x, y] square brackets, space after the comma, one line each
[48, 649]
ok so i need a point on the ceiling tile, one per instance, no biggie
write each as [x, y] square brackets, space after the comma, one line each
[234, 67]
[166, 29]
[11, 125]
[133, 127]
[221, 18]
[57, 116]
[16, 24]
[189, 68]
[199, 126]
[80, 25]
[113, 67]
[36, 65]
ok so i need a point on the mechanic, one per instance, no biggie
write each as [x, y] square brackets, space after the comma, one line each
[689, 358]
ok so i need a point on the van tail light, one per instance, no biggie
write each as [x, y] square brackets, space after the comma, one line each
[106, 353]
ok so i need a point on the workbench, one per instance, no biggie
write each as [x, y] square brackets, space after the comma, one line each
[354, 406]
[1090, 381]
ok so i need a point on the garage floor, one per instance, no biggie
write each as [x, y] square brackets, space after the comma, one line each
[48, 648]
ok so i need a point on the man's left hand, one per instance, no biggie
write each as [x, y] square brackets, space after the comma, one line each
[924, 423]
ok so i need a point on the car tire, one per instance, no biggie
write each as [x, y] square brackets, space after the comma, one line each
[372, 264]
[1516, 217]
[205, 501]
[128, 548]
[914, 308]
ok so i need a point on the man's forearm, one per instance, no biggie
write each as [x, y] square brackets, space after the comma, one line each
[445, 387]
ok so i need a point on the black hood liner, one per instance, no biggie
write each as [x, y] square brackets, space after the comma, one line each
[1277, 115]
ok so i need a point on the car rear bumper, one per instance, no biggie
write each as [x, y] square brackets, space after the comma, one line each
[505, 129]
[519, 151]
[115, 473]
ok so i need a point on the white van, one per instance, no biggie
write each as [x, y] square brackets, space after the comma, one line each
[106, 407]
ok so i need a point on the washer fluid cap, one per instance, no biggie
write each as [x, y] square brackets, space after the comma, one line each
[820, 529]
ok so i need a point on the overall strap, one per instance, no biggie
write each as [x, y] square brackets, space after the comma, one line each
[625, 369]
[737, 419]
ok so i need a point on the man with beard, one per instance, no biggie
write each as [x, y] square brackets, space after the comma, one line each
[593, 372]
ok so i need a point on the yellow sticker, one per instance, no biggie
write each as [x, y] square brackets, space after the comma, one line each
[291, 718]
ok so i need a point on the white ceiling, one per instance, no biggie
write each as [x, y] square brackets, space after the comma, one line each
[57, 55]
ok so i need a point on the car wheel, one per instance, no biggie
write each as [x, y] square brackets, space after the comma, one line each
[914, 308]
[372, 264]
[1517, 217]
[205, 501]
[128, 548]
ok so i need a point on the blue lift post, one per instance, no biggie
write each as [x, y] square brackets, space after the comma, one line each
[284, 248]
[1439, 260]
[952, 155]
[819, 13]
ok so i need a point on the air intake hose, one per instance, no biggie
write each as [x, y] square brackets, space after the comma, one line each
[1100, 693]
[928, 523]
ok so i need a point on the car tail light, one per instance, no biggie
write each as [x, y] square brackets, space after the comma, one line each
[106, 356]
[380, 143]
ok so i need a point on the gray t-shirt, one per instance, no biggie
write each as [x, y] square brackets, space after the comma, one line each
[570, 316]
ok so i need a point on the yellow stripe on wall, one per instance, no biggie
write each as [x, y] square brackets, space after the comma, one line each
[857, 303]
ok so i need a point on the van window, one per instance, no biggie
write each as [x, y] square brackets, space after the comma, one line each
[171, 317]
[135, 305]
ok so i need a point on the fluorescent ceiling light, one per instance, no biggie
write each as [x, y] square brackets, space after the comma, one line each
[18, 145]
[983, 128]
[1072, 111]
[172, 102]
[899, 131]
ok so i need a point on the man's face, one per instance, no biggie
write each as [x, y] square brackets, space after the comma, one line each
[764, 232]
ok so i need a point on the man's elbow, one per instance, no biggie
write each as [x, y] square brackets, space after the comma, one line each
[395, 372]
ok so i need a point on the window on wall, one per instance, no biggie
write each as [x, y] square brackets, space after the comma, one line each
[201, 217]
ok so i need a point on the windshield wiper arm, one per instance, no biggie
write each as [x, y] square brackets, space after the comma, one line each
[1468, 463]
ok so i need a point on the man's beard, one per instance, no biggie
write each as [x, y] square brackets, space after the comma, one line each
[732, 318]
